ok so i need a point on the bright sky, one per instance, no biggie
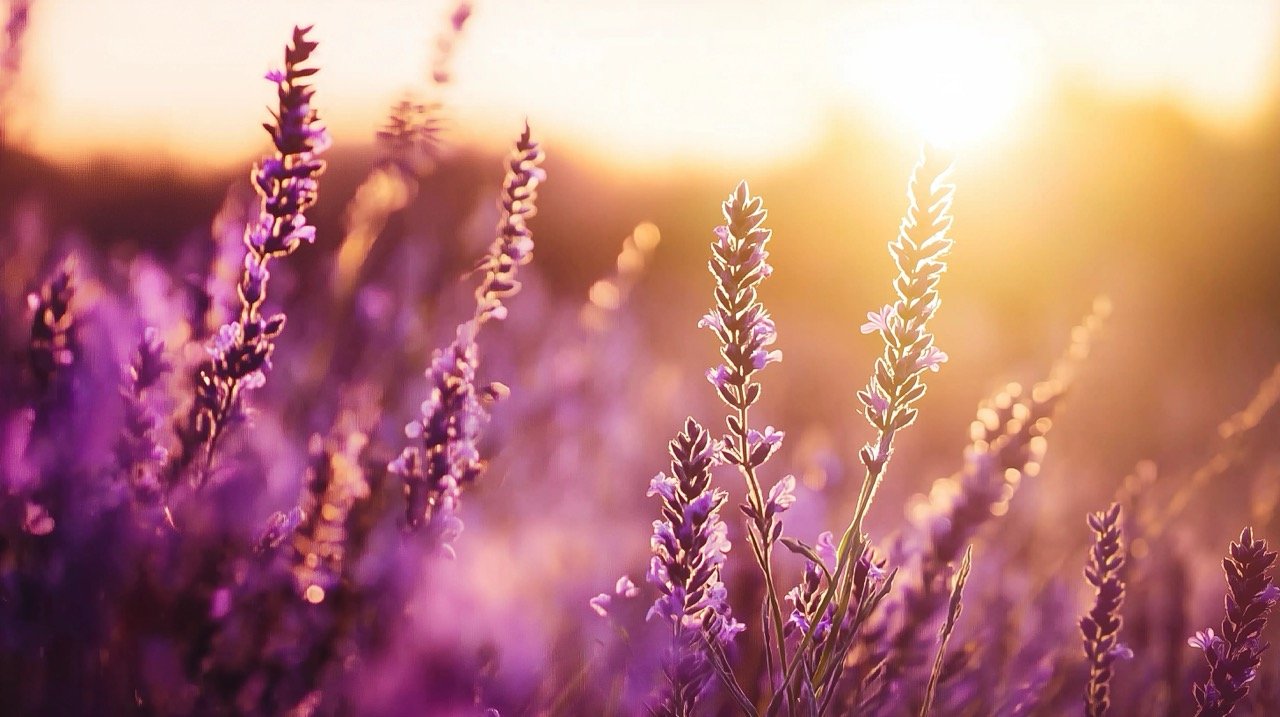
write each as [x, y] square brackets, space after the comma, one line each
[639, 80]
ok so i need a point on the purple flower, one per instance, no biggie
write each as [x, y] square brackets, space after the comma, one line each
[1235, 656]
[762, 445]
[826, 549]
[719, 377]
[286, 185]
[739, 263]
[878, 320]
[1100, 628]
[513, 246]
[712, 321]
[1121, 651]
[1205, 640]
[931, 359]
[600, 604]
[689, 547]
[782, 495]
[625, 587]
[919, 252]
[663, 485]
[446, 459]
[761, 358]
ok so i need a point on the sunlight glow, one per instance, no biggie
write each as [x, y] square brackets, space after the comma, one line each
[949, 79]
[639, 83]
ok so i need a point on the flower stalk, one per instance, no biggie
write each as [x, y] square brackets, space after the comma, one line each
[286, 183]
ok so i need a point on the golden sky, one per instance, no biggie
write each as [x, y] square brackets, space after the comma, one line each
[641, 80]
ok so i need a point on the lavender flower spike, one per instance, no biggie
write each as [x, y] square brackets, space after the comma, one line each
[1234, 656]
[447, 459]
[918, 251]
[739, 263]
[896, 384]
[1101, 626]
[514, 244]
[746, 333]
[689, 549]
[286, 183]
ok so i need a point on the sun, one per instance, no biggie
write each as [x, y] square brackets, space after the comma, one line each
[957, 81]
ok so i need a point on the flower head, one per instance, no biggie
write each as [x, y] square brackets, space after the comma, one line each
[689, 547]
[1205, 640]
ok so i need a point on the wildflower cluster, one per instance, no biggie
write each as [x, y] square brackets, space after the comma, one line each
[1234, 656]
[689, 547]
[814, 613]
[1101, 626]
[448, 457]
[286, 183]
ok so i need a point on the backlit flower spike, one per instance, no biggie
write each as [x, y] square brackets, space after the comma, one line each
[1235, 656]
[919, 252]
[447, 460]
[513, 246]
[742, 325]
[746, 333]
[1100, 628]
[286, 183]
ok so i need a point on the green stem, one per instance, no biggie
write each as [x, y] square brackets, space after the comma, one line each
[764, 548]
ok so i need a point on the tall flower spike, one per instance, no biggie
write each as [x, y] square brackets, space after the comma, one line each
[689, 547]
[1234, 656]
[1101, 626]
[919, 252]
[286, 184]
[739, 262]
[896, 384]
[447, 458]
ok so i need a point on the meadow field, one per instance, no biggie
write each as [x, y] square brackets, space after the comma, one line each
[570, 358]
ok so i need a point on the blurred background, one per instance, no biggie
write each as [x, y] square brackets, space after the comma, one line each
[1123, 149]
[1119, 148]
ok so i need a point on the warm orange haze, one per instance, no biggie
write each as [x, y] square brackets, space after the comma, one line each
[644, 82]
[559, 358]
